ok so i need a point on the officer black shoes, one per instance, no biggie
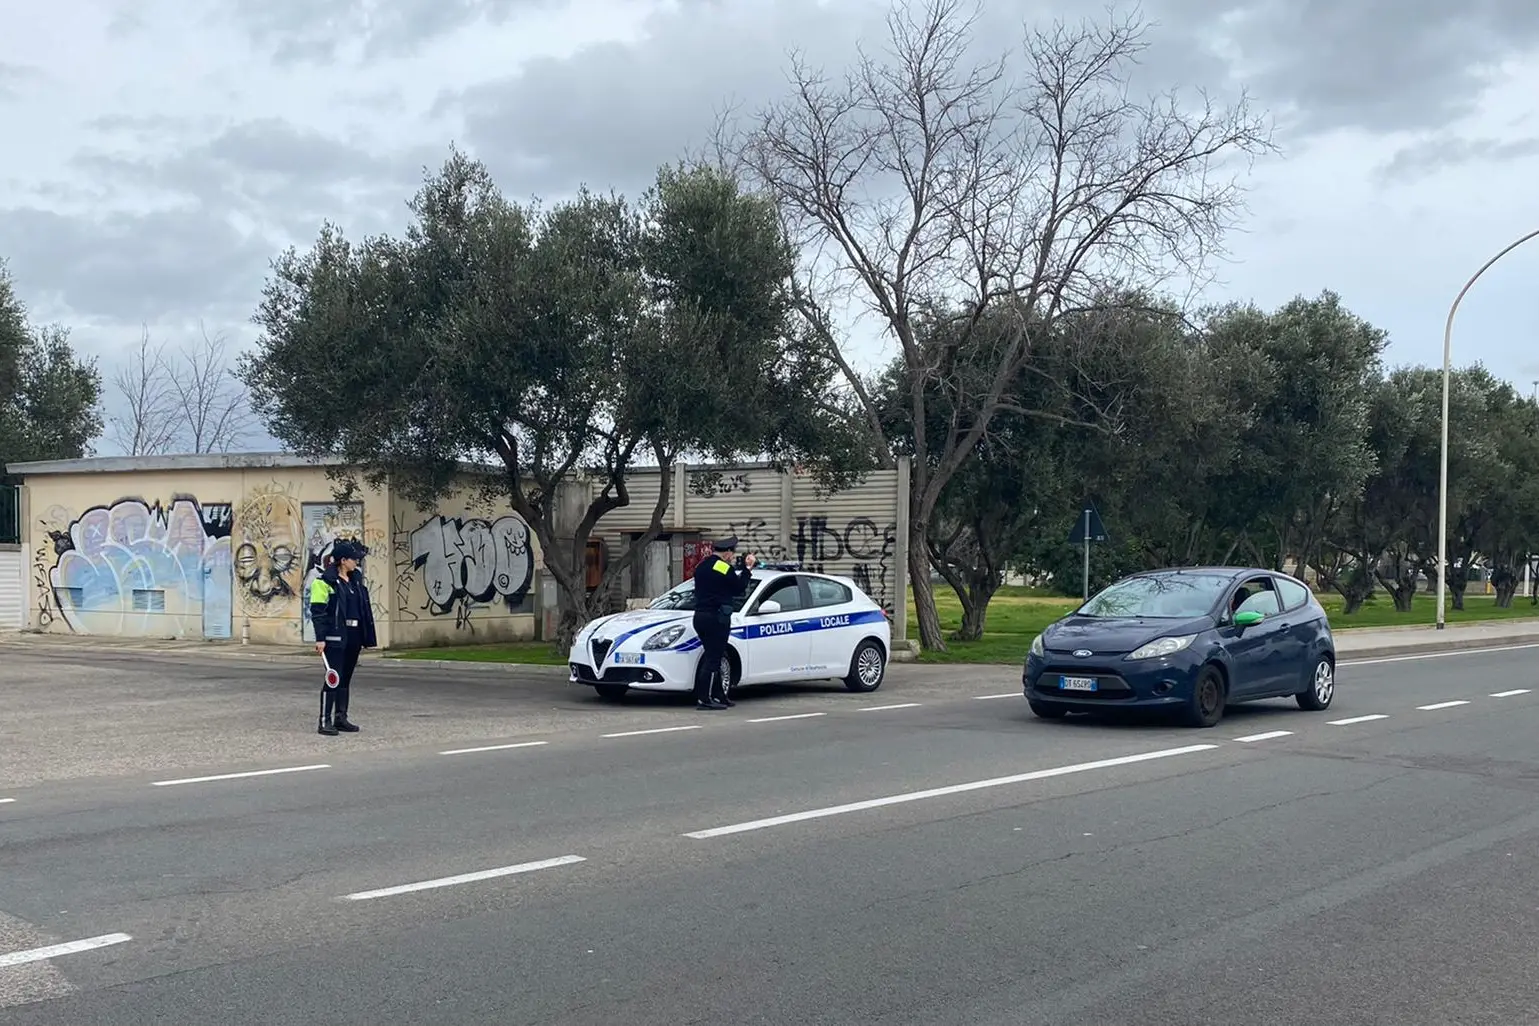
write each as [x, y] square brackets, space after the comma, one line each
[344, 724]
[326, 728]
[710, 705]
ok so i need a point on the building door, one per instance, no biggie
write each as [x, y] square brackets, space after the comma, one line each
[13, 589]
[657, 566]
[218, 591]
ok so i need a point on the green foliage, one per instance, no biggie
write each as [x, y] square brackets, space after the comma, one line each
[594, 336]
[49, 399]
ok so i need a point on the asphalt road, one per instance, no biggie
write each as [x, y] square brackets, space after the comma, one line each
[929, 854]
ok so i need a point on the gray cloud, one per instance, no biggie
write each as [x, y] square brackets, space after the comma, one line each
[14, 78]
[1442, 152]
[1378, 65]
[136, 267]
[310, 31]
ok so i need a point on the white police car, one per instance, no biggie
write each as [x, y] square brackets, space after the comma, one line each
[790, 626]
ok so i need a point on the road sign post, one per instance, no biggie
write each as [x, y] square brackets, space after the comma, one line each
[1088, 528]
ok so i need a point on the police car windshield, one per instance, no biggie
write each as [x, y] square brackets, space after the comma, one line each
[682, 596]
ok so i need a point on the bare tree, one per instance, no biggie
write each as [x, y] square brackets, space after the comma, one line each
[186, 400]
[149, 423]
[929, 185]
[214, 406]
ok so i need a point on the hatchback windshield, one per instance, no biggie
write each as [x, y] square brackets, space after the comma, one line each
[1166, 596]
[682, 596]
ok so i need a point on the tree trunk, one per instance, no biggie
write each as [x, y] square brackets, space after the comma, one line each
[981, 588]
[930, 637]
[1404, 593]
[1506, 583]
[1355, 588]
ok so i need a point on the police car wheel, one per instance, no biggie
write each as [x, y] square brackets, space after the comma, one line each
[611, 692]
[868, 666]
[728, 678]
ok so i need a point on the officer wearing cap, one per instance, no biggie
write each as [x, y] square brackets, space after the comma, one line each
[718, 586]
[344, 627]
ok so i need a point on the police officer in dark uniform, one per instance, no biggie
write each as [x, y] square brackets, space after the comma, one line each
[344, 627]
[718, 585]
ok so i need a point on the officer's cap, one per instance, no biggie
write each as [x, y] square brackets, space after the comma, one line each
[346, 548]
[728, 544]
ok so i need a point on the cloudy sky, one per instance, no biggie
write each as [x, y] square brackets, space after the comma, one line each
[156, 159]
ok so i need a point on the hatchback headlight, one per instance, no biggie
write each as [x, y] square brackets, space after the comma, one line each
[1036, 645]
[662, 639]
[1163, 647]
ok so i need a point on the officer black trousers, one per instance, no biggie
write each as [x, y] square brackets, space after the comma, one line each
[341, 656]
[713, 631]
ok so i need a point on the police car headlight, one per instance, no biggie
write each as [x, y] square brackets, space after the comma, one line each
[662, 639]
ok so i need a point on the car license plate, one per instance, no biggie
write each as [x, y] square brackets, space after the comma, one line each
[631, 658]
[1077, 683]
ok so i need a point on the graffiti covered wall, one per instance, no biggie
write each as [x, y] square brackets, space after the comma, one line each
[208, 553]
[854, 533]
[463, 573]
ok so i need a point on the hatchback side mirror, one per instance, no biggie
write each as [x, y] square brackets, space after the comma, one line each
[1248, 618]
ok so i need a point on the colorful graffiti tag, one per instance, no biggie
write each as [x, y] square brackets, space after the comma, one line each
[143, 570]
[472, 561]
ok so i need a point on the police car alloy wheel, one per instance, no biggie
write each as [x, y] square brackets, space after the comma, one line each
[867, 667]
[728, 684]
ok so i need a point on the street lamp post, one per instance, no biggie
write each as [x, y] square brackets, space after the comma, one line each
[1442, 477]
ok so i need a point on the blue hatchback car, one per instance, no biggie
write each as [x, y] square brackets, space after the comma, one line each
[1191, 641]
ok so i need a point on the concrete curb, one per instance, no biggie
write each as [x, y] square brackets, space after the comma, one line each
[1437, 647]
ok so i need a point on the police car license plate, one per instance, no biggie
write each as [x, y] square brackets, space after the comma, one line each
[1077, 683]
[631, 658]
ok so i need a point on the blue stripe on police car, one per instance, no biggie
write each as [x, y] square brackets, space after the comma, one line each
[816, 623]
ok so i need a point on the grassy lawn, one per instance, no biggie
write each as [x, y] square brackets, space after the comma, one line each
[1019, 614]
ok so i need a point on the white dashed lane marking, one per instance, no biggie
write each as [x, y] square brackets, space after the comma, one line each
[1441, 705]
[464, 878]
[1509, 694]
[1269, 735]
[794, 716]
[241, 776]
[494, 748]
[654, 730]
[1357, 719]
[55, 950]
[884, 708]
[985, 698]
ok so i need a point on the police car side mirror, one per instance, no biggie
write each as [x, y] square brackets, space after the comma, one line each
[768, 608]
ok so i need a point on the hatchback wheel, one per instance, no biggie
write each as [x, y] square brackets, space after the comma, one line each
[1206, 706]
[867, 667]
[1322, 687]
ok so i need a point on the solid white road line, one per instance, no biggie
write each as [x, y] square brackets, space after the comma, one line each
[494, 748]
[1265, 737]
[884, 708]
[654, 730]
[796, 716]
[239, 776]
[1441, 705]
[985, 698]
[6, 801]
[1438, 655]
[55, 950]
[1509, 694]
[1357, 719]
[937, 792]
[450, 881]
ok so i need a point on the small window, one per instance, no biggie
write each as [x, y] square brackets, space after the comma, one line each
[786, 591]
[69, 598]
[1294, 594]
[148, 601]
[1256, 597]
[828, 593]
